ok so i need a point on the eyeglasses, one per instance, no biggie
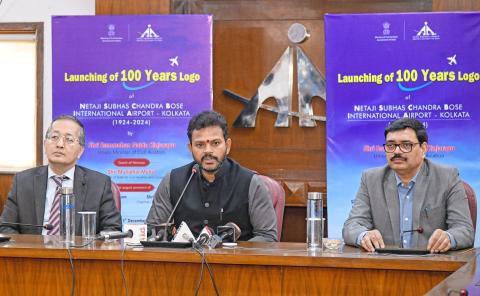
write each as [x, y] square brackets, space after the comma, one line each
[55, 137]
[404, 147]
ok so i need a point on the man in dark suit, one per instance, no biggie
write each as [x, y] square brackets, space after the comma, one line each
[32, 199]
[408, 193]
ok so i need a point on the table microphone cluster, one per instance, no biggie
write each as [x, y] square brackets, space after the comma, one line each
[207, 238]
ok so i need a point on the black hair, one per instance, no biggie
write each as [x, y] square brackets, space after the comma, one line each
[405, 122]
[207, 119]
[81, 137]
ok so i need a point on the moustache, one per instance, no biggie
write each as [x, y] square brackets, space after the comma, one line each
[397, 156]
[208, 156]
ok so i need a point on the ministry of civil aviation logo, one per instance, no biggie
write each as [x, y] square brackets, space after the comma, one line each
[426, 33]
[111, 35]
[149, 35]
[386, 28]
[386, 34]
[111, 30]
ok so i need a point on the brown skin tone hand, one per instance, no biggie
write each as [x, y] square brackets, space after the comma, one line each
[372, 240]
[439, 242]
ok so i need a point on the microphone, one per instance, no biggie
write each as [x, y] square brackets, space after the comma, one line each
[204, 236]
[202, 239]
[116, 235]
[194, 170]
[232, 229]
[418, 229]
[462, 292]
[45, 226]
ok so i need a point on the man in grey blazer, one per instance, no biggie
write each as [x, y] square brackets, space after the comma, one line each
[408, 194]
[31, 199]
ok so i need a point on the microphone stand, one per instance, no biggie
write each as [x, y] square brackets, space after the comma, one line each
[165, 235]
[419, 230]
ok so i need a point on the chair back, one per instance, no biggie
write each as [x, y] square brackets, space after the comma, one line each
[277, 194]
[116, 196]
[472, 203]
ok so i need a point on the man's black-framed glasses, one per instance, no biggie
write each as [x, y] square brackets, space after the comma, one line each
[404, 147]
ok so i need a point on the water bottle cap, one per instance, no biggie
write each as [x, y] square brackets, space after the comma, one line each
[67, 190]
[314, 195]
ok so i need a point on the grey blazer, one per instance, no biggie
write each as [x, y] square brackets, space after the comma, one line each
[440, 202]
[26, 200]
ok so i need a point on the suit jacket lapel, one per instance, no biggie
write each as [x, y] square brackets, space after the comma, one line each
[393, 205]
[40, 191]
[79, 189]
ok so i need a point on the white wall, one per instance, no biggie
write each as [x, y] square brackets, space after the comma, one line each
[42, 11]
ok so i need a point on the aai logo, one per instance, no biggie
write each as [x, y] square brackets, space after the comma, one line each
[149, 35]
[426, 33]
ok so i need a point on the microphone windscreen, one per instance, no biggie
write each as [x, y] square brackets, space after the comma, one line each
[195, 168]
[203, 238]
[48, 226]
[420, 229]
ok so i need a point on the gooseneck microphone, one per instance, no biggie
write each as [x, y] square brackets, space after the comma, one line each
[45, 226]
[418, 229]
[116, 235]
[462, 292]
[194, 170]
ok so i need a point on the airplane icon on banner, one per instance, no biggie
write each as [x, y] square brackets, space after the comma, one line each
[173, 61]
[452, 60]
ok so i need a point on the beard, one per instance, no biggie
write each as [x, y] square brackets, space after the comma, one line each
[217, 159]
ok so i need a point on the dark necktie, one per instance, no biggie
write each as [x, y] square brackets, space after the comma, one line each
[55, 210]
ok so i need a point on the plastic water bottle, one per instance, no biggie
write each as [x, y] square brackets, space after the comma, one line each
[67, 215]
[314, 220]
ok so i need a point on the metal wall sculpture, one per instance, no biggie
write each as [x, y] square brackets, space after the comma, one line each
[278, 84]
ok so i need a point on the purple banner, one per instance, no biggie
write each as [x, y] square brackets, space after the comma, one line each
[135, 82]
[381, 67]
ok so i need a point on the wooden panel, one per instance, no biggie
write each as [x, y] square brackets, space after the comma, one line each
[305, 9]
[45, 273]
[5, 186]
[244, 54]
[360, 282]
[457, 5]
[295, 193]
[132, 7]
[294, 225]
